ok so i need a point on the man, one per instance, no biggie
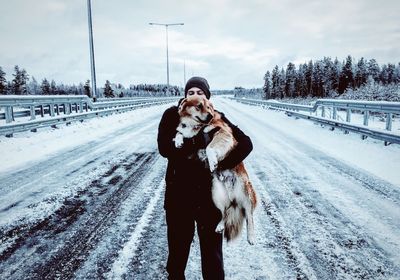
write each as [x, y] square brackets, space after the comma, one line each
[188, 191]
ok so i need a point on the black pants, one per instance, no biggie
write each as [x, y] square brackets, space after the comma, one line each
[181, 227]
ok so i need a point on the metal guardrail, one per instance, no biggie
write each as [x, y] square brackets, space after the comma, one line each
[387, 108]
[55, 105]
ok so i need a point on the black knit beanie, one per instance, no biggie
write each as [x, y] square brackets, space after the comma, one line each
[200, 83]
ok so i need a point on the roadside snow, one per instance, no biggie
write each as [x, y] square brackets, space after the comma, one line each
[370, 155]
[27, 147]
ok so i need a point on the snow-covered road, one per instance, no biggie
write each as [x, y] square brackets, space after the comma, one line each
[85, 202]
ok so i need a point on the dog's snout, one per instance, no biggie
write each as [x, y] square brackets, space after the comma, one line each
[209, 117]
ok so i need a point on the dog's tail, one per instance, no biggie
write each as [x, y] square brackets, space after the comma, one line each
[234, 218]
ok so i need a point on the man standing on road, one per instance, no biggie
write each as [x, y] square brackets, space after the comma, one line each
[188, 191]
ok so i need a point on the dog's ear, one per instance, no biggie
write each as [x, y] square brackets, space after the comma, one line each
[210, 105]
[182, 105]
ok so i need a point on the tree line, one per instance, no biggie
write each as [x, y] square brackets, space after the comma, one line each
[327, 77]
[22, 84]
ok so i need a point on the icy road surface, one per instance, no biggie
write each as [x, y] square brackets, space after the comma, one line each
[86, 202]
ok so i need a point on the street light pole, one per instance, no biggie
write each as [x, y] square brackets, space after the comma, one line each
[166, 37]
[91, 48]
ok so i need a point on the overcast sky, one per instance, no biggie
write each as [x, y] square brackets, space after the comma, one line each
[231, 43]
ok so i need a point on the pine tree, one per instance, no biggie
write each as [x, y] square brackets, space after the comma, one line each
[397, 74]
[301, 82]
[317, 85]
[309, 75]
[335, 75]
[346, 79]
[290, 81]
[33, 86]
[19, 83]
[86, 88]
[45, 86]
[373, 70]
[384, 75]
[282, 84]
[267, 85]
[108, 92]
[361, 74]
[53, 87]
[391, 75]
[275, 82]
[3, 82]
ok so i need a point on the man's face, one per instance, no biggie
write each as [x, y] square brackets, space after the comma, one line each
[195, 91]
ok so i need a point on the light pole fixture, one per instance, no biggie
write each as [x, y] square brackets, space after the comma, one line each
[91, 48]
[166, 33]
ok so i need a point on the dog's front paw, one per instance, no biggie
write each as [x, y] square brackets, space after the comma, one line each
[220, 227]
[178, 140]
[251, 239]
[212, 159]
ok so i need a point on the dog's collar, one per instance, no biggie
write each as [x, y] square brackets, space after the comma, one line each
[203, 122]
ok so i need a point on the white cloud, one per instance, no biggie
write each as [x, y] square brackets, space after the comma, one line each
[230, 42]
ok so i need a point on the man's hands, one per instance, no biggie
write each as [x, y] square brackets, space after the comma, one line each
[197, 142]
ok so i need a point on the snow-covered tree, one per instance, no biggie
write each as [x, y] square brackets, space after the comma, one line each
[267, 85]
[373, 69]
[391, 73]
[108, 91]
[397, 74]
[282, 83]
[290, 81]
[33, 86]
[301, 82]
[19, 83]
[53, 87]
[45, 86]
[309, 77]
[346, 79]
[3, 82]
[361, 74]
[275, 83]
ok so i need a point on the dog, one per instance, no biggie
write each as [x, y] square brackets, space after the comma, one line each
[232, 191]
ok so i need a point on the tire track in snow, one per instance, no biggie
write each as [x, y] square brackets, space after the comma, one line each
[99, 263]
[120, 265]
[60, 244]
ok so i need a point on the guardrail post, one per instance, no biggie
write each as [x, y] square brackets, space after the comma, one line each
[76, 108]
[323, 112]
[41, 107]
[66, 109]
[57, 109]
[33, 113]
[348, 115]
[51, 106]
[334, 109]
[80, 107]
[389, 117]
[366, 117]
[9, 114]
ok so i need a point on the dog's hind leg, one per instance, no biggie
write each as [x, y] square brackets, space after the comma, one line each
[221, 201]
[249, 205]
[250, 226]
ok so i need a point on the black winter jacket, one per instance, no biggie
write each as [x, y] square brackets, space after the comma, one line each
[188, 181]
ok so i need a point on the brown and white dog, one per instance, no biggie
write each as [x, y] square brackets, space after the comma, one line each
[232, 191]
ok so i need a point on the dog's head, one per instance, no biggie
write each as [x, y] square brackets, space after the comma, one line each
[197, 108]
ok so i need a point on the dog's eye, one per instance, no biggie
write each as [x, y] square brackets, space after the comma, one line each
[200, 106]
